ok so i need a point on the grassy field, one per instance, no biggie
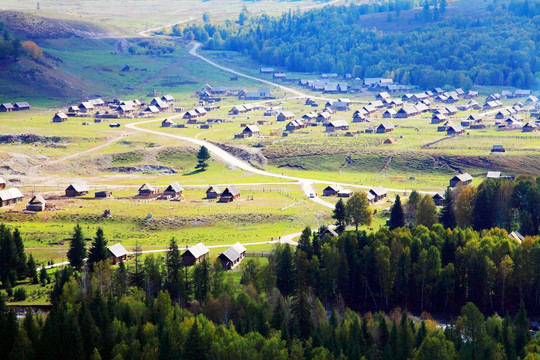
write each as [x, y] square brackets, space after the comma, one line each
[263, 213]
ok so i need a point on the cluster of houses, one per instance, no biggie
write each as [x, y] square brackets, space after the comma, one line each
[212, 94]
[374, 195]
[18, 106]
[229, 259]
[230, 193]
[116, 109]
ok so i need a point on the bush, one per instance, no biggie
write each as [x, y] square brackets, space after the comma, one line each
[19, 294]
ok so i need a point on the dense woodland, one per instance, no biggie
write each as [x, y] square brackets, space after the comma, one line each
[498, 48]
[297, 305]
[9, 47]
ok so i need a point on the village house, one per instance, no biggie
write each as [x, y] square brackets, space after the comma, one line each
[2, 183]
[328, 232]
[454, 129]
[266, 70]
[285, 115]
[515, 235]
[195, 254]
[213, 192]
[251, 130]
[394, 103]
[191, 114]
[531, 100]
[10, 197]
[146, 190]
[311, 102]
[103, 194]
[406, 111]
[309, 116]
[231, 257]
[230, 193]
[345, 193]
[438, 198]
[493, 175]
[471, 94]
[6, 107]
[77, 190]
[238, 109]
[167, 98]
[389, 114]
[323, 117]
[340, 106]
[295, 125]
[438, 118]
[73, 110]
[529, 127]
[173, 190]
[337, 125]
[151, 109]
[451, 110]
[461, 179]
[97, 102]
[118, 253]
[59, 117]
[37, 203]
[332, 190]
[279, 75]
[20, 106]
[377, 104]
[85, 107]
[384, 128]
[167, 123]
[200, 111]
[498, 148]
[124, 109]
[369, 109]
[378, 193]
[384, 96]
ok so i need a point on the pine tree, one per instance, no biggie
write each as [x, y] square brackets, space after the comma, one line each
[43, 276]
[202, 157]
[32, 272]
[77, 250]
[175, 278]
[447, 217]
[21, 256]
[304, 243]
[201, 280]
[98, 252]
[195, 348]
[340, 215]
[397, 217]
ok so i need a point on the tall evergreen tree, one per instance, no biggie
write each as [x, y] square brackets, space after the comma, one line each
[21, 256]
[397, 217]
[202, 158]
[304, 243]
[77, 250]
[340, 215]
[98, 250]
[447, 217]
[201, 280]
[32, 271]
[195, 348]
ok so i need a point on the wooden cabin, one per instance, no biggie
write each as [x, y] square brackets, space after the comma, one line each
[10, 197]
[103, 194]
[195, 254]
[77, 190]
[213, 192]
[146, 190]
[463, 179]
[332, 190]
[231, 257]
[173, 190]
[118, 253]
[59, 117]
[378, 193]
[438, 198]
[229, 194]
[37, 203]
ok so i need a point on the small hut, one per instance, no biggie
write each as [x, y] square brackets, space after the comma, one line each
[146, 190]
[77, 190]
[173, 190]
[37, 203]
[195, 254]
[118, 253]
[213, 192]
[231, 257]
[229, 194]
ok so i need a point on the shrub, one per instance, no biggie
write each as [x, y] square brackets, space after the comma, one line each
[19, 294]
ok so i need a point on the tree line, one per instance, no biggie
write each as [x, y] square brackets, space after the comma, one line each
[495, 49]
[101, 313]
[10, 48]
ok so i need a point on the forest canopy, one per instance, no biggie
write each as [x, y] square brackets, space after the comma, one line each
[500, 48]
